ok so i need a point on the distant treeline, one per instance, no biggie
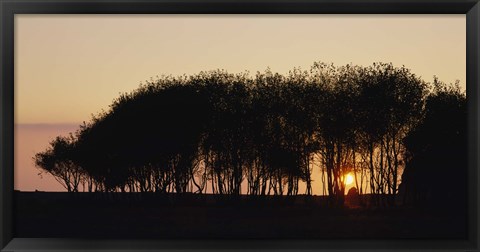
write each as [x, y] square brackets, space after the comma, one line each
[220, 132]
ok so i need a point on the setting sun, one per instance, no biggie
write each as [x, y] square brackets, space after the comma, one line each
[248, 121]
[348, 179]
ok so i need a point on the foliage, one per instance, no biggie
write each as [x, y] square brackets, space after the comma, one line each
[216, 131]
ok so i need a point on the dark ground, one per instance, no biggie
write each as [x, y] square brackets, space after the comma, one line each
[60, 215]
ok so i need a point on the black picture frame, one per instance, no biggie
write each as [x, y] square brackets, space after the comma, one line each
[8, 9]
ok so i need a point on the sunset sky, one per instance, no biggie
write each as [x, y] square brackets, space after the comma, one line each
[68, 67]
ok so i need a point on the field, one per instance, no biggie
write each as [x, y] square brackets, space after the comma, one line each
[42, 214]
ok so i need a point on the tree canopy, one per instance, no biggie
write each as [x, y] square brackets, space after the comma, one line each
[218, 132]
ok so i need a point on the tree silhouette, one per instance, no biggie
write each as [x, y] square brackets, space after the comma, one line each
[57, 160]
[437, 150]
[390, 103]
[217, 132]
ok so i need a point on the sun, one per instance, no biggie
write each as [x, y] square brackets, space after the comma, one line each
[348, 179]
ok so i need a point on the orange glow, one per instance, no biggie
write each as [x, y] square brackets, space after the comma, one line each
[348, 179]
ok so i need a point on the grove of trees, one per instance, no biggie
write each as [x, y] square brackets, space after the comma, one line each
[436, 161]
[230, 134]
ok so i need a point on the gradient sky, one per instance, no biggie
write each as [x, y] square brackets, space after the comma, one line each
[70, 66]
